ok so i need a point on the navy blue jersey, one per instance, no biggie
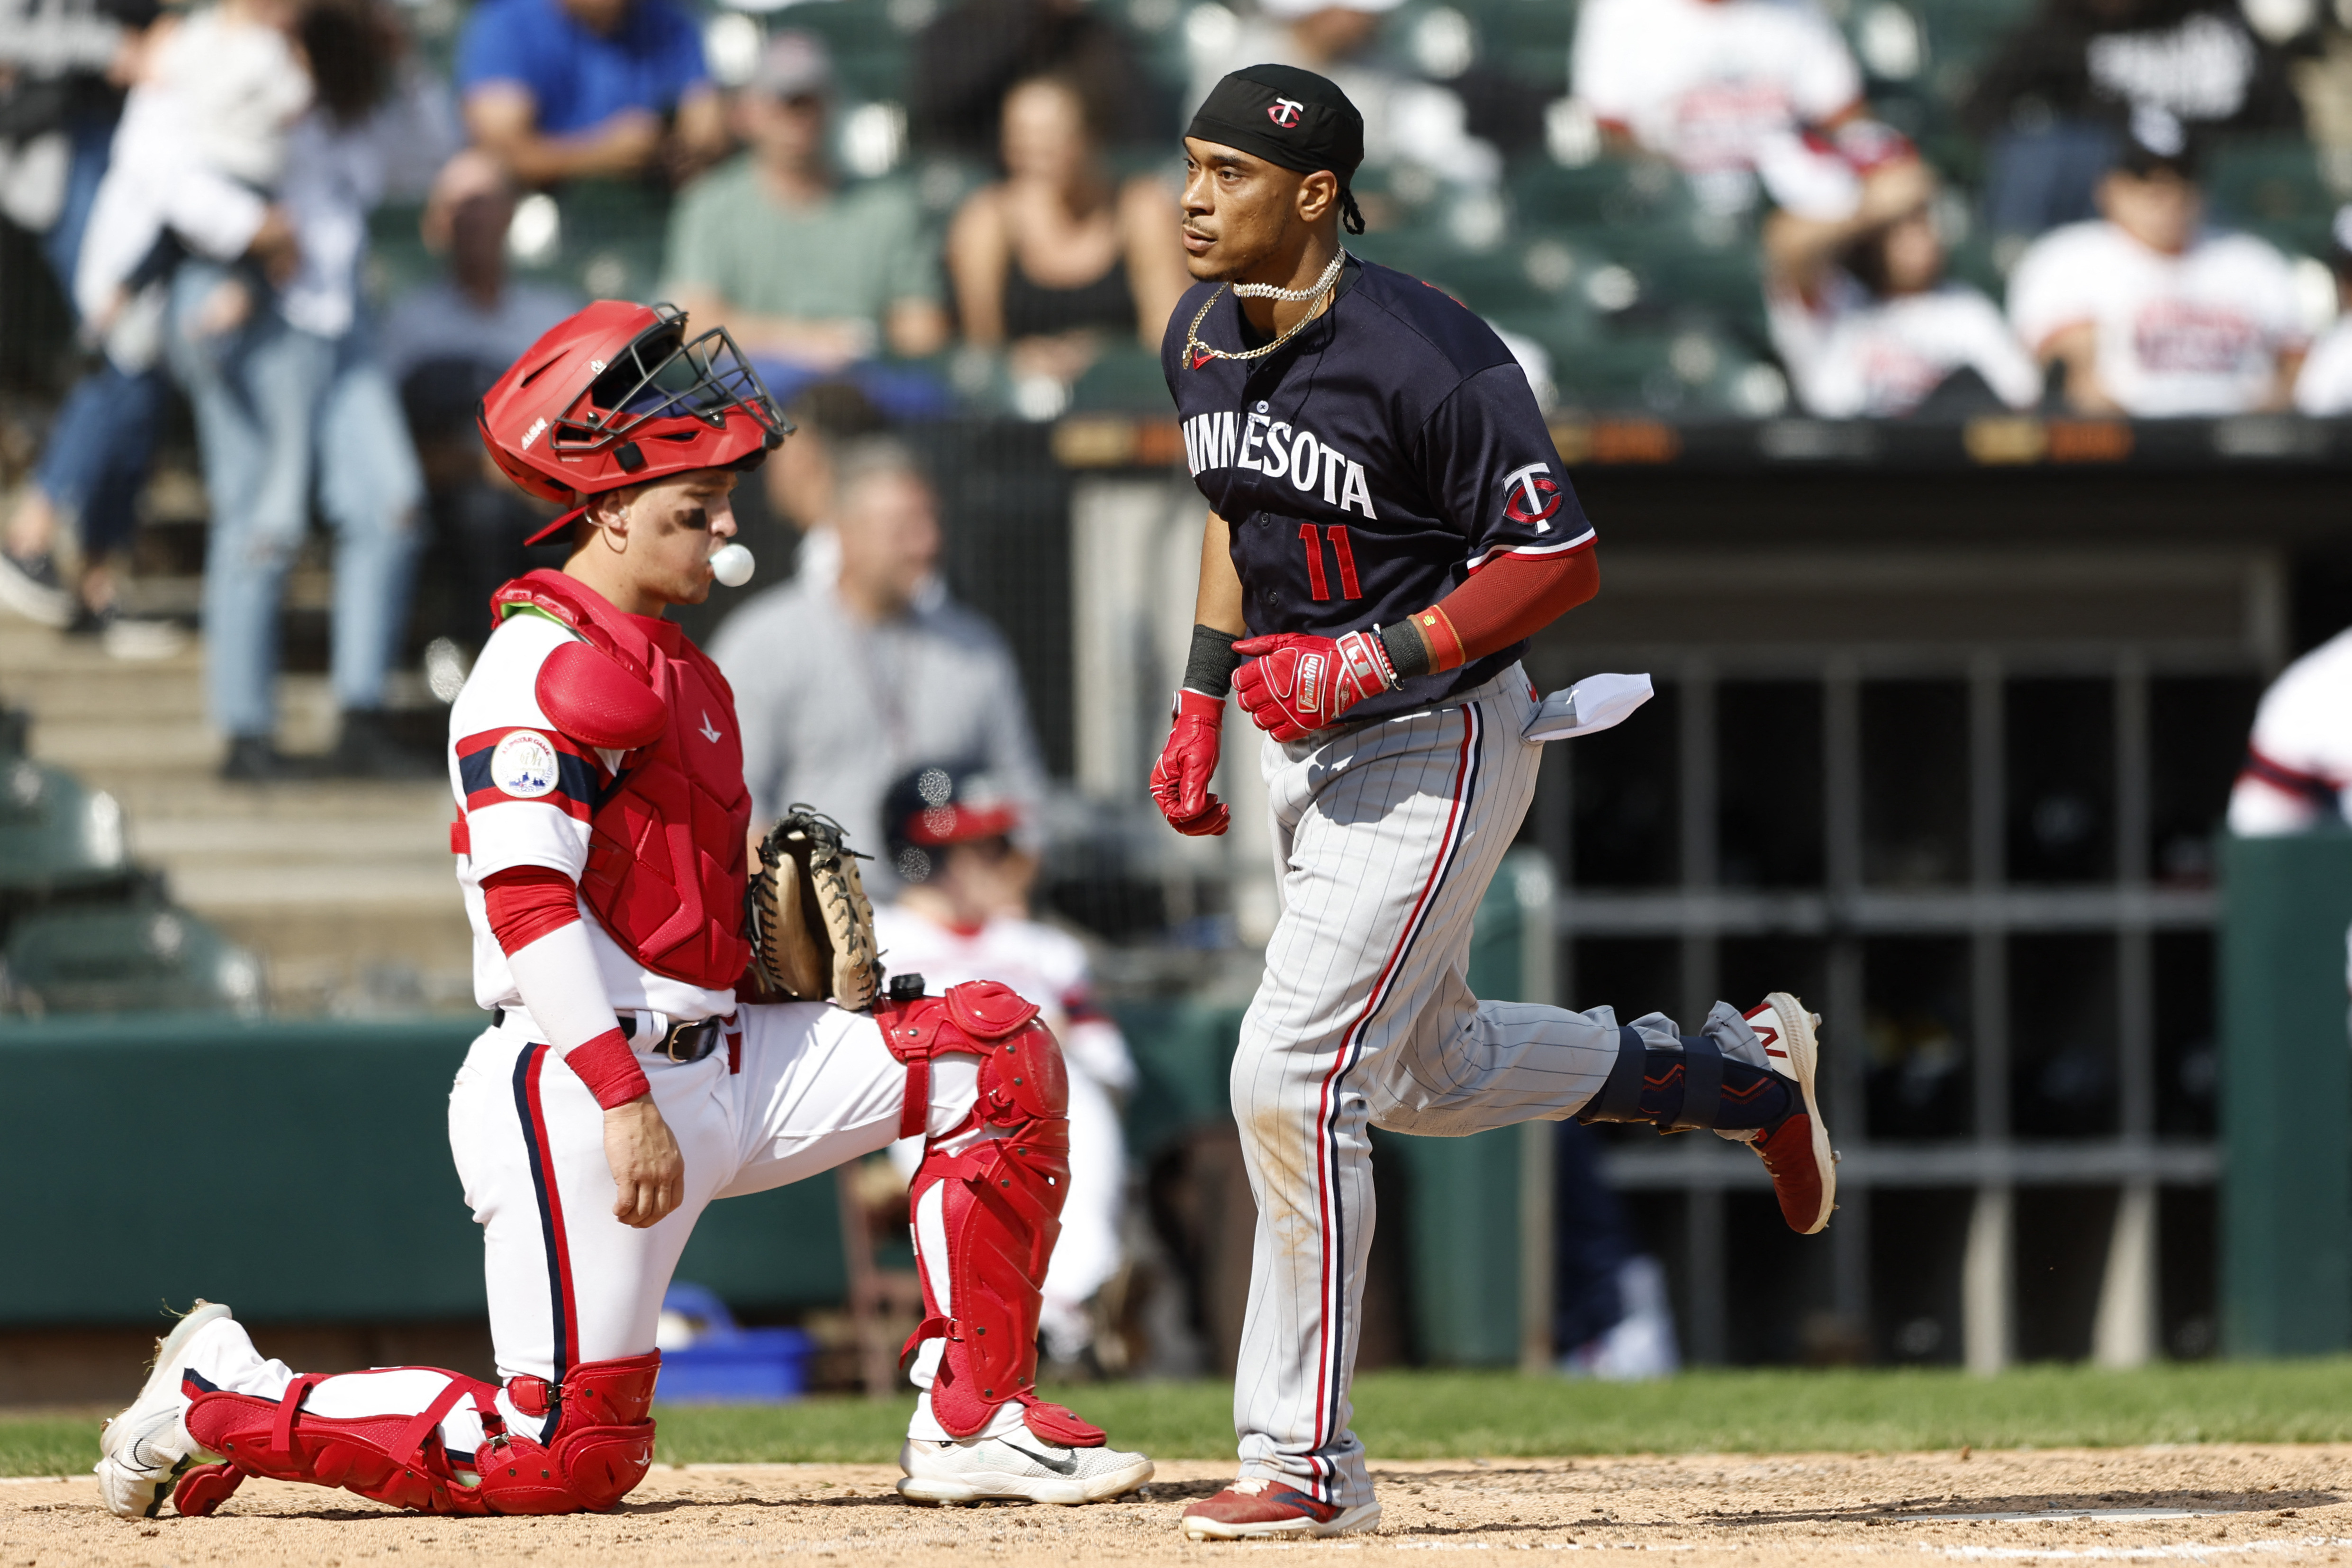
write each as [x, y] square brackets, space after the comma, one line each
[1372, 464]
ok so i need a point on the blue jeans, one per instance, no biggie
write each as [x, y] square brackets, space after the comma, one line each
[278, 409]
[99, 447]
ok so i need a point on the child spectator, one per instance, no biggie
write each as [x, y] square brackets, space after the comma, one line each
[962, 913]
[1057, 259]
[2151, 314]
[1866, 320]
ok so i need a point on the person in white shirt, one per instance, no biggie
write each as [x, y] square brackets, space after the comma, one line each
[2151, 314]
[1724, 88]
[1406, 121]
[1866, 320]
[2323, 389]
[963, 914]
[2298, 771]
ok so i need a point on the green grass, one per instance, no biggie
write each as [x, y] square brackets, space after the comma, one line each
[1404, 1415]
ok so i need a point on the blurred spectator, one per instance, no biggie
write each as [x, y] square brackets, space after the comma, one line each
[2298, 771]
[1610, 1318]
[1868, 325]
[829, 418]
[2054, 102]
[843, 683]
[1406, 121]
[963, 914]
[2325, 387]
[809, 277]
[2151, 314]
[444, 343]
[205, 130]
[562, 90]
[286, 387]
[1725, 89]
[1057, 259]
[971, 56]
[69, 65]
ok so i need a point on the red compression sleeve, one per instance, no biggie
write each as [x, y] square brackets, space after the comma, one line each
[1511, 597]
[526, 902]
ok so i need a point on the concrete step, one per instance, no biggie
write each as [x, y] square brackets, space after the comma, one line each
[346, 890]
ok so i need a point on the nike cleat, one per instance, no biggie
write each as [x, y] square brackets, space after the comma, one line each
[1023, 1468]
[1797, 1152]
[142, 1448]
[1256, 1508]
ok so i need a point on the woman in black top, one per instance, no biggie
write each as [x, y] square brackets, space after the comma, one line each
[1056, 261]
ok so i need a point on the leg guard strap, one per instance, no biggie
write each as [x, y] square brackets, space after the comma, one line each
[1702, 1085]
[1683, 1092]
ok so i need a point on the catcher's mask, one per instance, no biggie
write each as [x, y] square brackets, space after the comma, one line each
[938, 803]
[617, 395]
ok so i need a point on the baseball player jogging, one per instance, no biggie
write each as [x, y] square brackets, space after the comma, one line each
[601, 837]
[1388, 523]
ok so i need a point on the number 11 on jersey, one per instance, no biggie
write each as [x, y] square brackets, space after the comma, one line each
[1319, 583]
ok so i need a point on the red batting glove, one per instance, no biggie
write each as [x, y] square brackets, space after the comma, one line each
[1180, 782]
[1295, 685]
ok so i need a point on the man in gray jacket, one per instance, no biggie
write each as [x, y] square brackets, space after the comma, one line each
[847, 676]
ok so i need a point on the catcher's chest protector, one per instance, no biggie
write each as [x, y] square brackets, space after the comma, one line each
[599, 1450]
[1002, 1203]
[666, 872]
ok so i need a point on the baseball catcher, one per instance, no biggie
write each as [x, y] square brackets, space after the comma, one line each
[601, 837]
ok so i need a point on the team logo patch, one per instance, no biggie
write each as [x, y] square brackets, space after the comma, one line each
[524, 765]
[1532, 496]
[1285, 112]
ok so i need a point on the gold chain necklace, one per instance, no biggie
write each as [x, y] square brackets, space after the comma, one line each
[1198, 354]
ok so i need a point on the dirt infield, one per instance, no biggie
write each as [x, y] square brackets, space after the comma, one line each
[2213, 1504]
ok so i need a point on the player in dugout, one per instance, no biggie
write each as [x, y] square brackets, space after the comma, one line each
[629, 1083]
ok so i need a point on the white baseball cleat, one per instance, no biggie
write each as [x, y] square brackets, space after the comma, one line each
[142, 1448]
[1797, 1152]
[1023, 1466]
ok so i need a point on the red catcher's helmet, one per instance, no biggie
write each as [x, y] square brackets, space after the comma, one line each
[618, 395]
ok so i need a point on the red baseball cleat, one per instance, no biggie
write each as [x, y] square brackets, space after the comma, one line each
[1797, 1152]
[1254, 1508]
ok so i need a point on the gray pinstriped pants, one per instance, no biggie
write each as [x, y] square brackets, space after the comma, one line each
[1384, 839]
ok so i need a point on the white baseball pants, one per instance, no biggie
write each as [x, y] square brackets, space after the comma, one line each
[1384, 840]
[796, 1090]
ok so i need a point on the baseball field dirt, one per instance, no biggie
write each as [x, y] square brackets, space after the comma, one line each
[2209, 1503]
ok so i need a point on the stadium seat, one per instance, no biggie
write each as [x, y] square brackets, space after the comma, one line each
[56, 835]
[138, 958]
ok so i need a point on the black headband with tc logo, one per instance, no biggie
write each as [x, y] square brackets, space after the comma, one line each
[1288, 117]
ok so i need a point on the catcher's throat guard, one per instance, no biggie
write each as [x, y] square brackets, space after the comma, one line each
[1001, 1202]
[600, 1448]
[812, 927]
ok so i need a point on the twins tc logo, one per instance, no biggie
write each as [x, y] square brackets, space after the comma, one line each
[1285, 112]
[1531, 496]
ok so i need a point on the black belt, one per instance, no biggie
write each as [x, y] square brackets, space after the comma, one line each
[687, 1040]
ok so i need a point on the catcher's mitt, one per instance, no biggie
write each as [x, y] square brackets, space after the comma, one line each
[812, 929]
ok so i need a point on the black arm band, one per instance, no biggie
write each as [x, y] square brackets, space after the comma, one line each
[1407, 653]
[1210, 669]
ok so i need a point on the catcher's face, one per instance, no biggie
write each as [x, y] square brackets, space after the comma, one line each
[650, 546]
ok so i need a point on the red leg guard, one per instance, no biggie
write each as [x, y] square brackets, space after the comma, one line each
[1002, 1205]
[602, 1447]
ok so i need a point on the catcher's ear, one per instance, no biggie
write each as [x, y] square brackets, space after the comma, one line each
[596, 702]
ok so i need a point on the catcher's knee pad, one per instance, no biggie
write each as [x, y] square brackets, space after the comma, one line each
[601, 1447]
[1001, 1201]
[1685, 1090]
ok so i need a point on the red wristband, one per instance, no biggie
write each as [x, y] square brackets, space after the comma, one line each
[609, 1068]
[1436, 629]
